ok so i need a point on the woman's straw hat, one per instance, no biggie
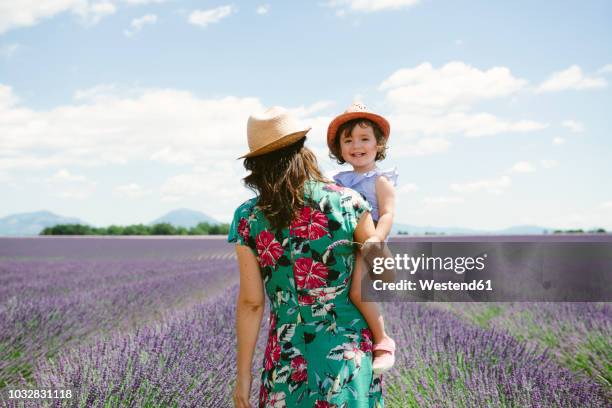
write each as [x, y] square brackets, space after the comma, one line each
[272, 130]
[356, 110]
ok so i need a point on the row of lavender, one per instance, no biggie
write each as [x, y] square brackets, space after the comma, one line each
[445, 361]
[68, 291]
[136, 331]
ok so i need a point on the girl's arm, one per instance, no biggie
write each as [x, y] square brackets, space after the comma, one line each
[385, 194]
[249, 312]
[363, 232]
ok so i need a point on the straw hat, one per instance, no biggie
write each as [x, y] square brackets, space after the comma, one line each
[356, 110]
[272, 130]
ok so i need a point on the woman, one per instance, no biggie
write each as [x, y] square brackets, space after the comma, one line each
[295, 243]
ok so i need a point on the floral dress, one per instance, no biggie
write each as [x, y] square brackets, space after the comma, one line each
[319, 347]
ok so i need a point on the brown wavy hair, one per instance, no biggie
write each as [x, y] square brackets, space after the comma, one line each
[278, 179]
[381, 143]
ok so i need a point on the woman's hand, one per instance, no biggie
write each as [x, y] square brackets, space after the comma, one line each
[242, 392]
[371, 247]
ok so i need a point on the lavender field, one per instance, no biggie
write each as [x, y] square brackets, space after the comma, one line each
[149, 323]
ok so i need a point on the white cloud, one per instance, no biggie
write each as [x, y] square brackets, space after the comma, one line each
[442, 200]
[407, 188]
[66, 185]
[8, 50]
[131, 191]
[522, 167]
[574, 126]
[203, 18]
[15, 14]
[494, 186]
[558, 140]
[64, 175]
[455, 85]
[95, 93]
[548, 163]
[75, 194]
[172, 156]
[570, 78]
[372, 5]
[144, 2]
[606, 204]
[98, 11]
[427, 101]
[422, 147]
[7, 98]
[152, 124]
[468, 124]
[109, 126]
[138, 23]
[606, 69]
[263, 9]
[206, 181]
[305, 111]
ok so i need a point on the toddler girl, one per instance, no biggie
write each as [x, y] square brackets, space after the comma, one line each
[359, 137]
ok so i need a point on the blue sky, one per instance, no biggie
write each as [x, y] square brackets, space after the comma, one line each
[116, 111]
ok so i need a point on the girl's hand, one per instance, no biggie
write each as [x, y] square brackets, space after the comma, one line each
[242, 392]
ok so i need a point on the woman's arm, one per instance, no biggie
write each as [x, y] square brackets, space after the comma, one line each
[249, 312]
[385, 194]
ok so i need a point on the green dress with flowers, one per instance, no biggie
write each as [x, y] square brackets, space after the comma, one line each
[319, 347]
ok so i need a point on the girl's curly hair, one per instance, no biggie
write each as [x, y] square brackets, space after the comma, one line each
[381, 143]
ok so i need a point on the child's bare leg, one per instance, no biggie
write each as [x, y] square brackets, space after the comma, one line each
[369, 310]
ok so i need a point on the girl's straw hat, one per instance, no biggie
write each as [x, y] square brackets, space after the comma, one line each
[356, 110]
[272, 130]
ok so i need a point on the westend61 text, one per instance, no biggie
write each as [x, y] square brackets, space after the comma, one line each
[430, 284]
[428, 263]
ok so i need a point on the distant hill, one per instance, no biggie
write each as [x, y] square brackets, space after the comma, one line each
[184, 217]
[25, 224]
[32, 223]
[517, 230]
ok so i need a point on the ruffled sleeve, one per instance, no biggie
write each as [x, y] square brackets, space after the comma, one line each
[391, 175]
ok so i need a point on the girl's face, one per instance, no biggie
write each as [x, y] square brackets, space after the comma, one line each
[359, 148]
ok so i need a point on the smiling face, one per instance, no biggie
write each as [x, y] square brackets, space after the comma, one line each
[359, 148]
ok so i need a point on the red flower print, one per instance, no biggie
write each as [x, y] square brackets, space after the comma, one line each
[277, 400]
[263, 395]
[299, 365]
[366, 343]
[305, 300]
[273, 351]
[273, 323]
[310, 224]
[244, 228]
[268, 248]
[321, 404]
[309, 274]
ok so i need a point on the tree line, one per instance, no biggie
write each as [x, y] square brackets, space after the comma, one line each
[202, 228]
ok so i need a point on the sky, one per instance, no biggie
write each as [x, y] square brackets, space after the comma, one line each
[118, 111]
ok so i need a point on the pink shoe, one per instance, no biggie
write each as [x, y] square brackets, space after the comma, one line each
[385, 361]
